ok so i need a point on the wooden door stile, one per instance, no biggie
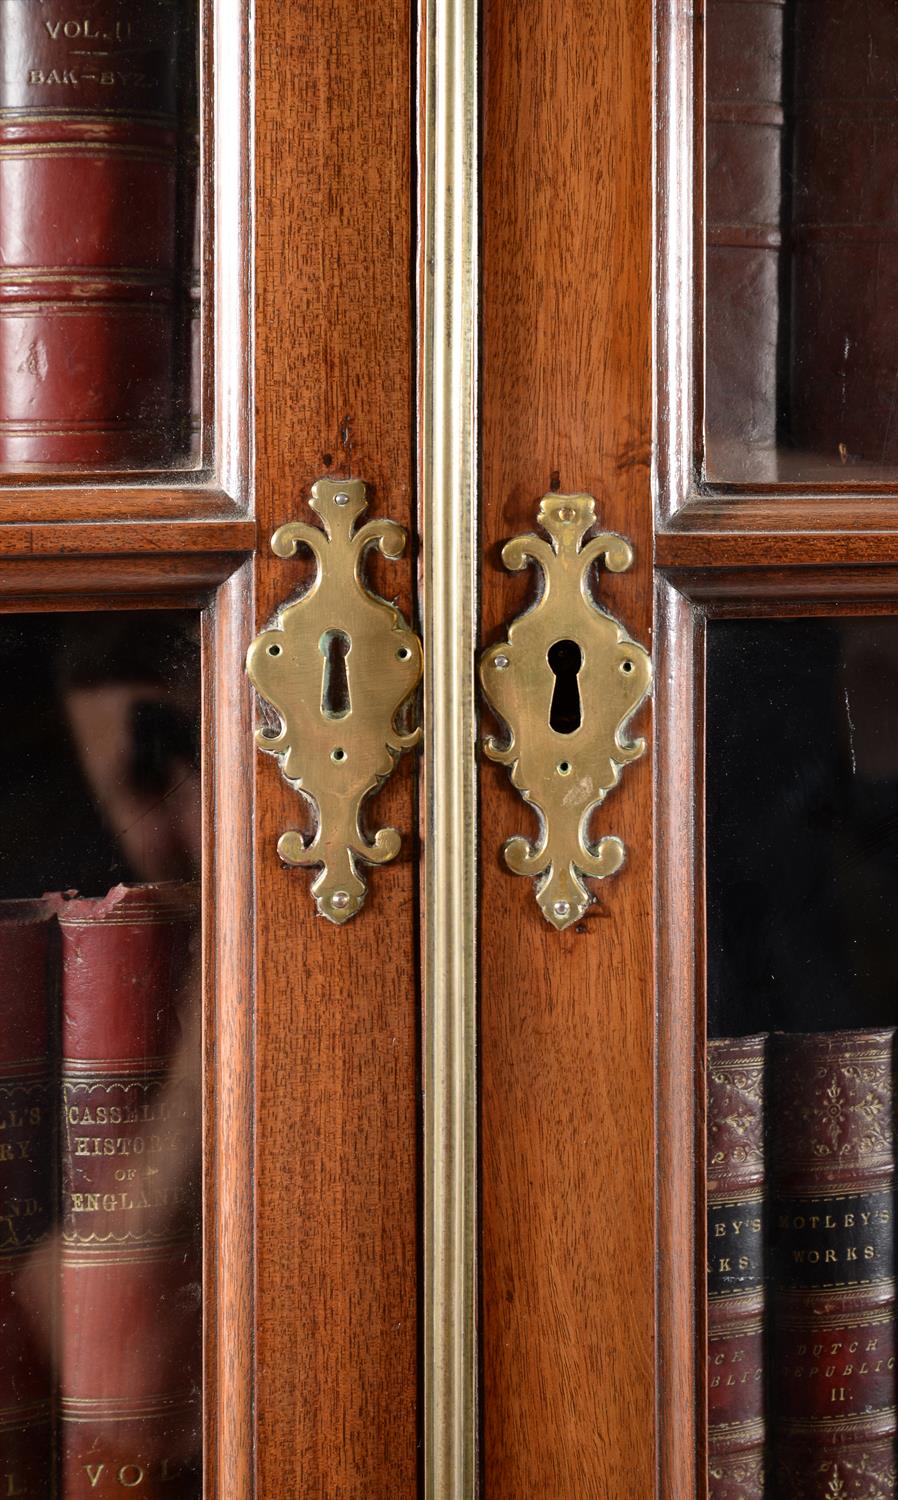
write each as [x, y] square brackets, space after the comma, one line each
[566, 1029]
[337, 1031]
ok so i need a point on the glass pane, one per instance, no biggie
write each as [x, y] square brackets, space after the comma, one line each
[100, 1246]
[802, 240]
[99, 235]
[802, 903]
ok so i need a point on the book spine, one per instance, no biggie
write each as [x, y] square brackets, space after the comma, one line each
[736, 1237]
[130, 1292]
[88, 187]
[744, 107]
[27, 1193]
[832, 1260]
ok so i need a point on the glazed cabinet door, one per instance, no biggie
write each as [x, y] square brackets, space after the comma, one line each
[447, 622]
[326, 1127]
[126, 498]
[453, 1085]
[775, 775]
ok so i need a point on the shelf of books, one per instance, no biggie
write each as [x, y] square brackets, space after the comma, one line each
[801, 151]
[802, 880]
[100, 1273]
[99, 236]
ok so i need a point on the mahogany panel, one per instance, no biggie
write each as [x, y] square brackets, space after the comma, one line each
[171, 573]
[566, 1031]
[157, 499]
[126, 537]
[833, 589]
[812, 514]
[778, 550]
[336, 1011]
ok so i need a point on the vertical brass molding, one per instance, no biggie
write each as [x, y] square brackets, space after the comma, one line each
[448, 487]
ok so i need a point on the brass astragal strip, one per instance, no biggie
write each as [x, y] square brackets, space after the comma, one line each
[448, 484]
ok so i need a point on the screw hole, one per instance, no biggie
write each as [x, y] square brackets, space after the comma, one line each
[563, 768]
[274, 650]
[403, 653]
[626, 666]
[338, 754]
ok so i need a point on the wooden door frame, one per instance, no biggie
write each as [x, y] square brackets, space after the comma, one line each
[686, 600]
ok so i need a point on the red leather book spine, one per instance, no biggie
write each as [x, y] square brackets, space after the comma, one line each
[736, 1432]
[845, 229]
[744, 129]
[130, 1288]
[27, 1195]
[88, 198]
[833, 1391]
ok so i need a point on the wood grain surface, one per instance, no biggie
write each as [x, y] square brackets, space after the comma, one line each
[680, 1001]
[228, 897]
[336, 1011]
[567, 1023]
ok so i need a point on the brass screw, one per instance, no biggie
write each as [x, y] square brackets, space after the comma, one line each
[340, 899]
[566, 513]
[341, 499]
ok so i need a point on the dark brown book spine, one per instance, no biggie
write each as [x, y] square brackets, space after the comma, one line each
[832, 1260]
[736, 1083]
[744, 131]
[88, 200]
[27, 1193]
[130, 1292]
[845, 229]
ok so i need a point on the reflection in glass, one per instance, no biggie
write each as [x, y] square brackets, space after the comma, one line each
[802, 786]
[100, 1269]
[99, 235]
[801, 312]
[802, 909]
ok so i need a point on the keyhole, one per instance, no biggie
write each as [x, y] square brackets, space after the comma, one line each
[335, 647]
[565, 658]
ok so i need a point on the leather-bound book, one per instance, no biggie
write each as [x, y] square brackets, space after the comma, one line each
[743, 175]
[27, 1194]
[130, 1295]
[89, 303]
[845, 230]
[832, 1167]
[735, 1128]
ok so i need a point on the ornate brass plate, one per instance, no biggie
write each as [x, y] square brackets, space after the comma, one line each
[565, 681]
[338, 664]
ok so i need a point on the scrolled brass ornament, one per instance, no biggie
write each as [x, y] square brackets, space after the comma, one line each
[338, 664]
[566, 681]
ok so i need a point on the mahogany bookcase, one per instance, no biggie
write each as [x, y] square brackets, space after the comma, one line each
[580, 1332]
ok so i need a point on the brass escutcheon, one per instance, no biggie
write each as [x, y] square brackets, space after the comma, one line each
[565, 681]
[338, 665]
